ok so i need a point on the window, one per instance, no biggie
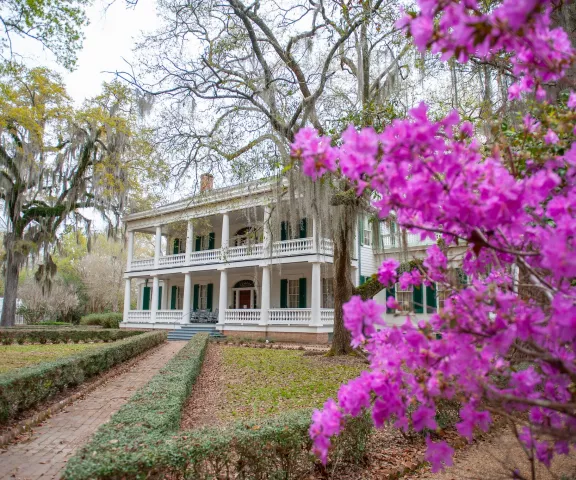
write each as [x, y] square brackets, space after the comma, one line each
[405, 298]
[203, 297]
[204, 242]
[293, 293]
[366, 233]
[327, 293]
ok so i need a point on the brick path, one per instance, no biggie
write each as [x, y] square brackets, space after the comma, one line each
[45, 454]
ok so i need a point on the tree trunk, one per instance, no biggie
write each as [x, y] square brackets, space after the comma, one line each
[12, 273]
[343, 287]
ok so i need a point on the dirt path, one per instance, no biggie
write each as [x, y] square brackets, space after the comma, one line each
[44, 455]
[208, 394]
[495, 459]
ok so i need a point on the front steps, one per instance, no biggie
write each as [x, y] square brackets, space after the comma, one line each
[186, 332]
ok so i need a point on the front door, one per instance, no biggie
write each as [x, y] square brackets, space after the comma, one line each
[244, 299]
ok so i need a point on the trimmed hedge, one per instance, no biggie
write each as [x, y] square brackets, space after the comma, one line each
[63, 335]
[142, 439]
[24, 388]
[105, 320]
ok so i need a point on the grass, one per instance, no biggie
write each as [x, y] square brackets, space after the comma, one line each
[267, 382]
[19, 356]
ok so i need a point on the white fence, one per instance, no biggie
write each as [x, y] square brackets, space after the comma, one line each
[327, 316]
[288, 316]
[411, 240]
[169, 316]
[140, 316]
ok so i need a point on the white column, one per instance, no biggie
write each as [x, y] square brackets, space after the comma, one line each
[189, 237]
[265, 302]
[316, 294]
[223, 299]
[130, 252]
[267, 232]
[155, 285]
[165, 289]
[315, 239]
[225, 231]
[127, 299]
[187, 294]
[158, 250]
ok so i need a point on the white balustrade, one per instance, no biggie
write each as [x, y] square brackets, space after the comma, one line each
[142, 264]
[205, 256]
[246, 315]
[140, 316]
[172, 260]
[326, 246]
[287, 316]
[292, 247]
[169, 316]
[412, 240]
[327, 316]
[243, 252]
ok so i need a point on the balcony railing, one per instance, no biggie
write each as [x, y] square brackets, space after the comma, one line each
[288, 316]
[169, 316]
[242, 316]
[298, 246]
[140, 316]
[327, 316]
[411, 240]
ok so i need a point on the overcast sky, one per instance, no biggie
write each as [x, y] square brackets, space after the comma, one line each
[109, 38]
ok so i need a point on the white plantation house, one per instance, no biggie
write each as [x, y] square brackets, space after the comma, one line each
[220, 273]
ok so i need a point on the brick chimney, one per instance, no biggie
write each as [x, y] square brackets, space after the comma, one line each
[206, 182]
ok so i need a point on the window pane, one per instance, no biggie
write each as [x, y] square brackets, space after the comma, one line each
[293, 293]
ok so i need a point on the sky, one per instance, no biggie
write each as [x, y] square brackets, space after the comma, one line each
[109, 39]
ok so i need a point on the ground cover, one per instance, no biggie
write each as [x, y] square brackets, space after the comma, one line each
[19, 356]
[243, 383]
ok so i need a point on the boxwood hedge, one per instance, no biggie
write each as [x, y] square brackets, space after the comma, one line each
[106, 320]
[63, 335]
[142, 440]
[24, 388]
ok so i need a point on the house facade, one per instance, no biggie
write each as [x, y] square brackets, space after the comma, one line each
[242, 277]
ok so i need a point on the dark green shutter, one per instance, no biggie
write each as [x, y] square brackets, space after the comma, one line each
[462, 277]
[431, 304]
[146, 299]
[361, 230]
[196, 296]
[211, 241]
[210, 291]
[392, 233]
[390, 292]
[159, 298]
[302, 293]
[283, 293]
[198, 243]
[362, 279]
[418, 299]
[303, 228]
[284, 231]
[176, 249]
[173, 297]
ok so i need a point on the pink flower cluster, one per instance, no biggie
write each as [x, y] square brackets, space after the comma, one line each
[521, 27]
[432, 175]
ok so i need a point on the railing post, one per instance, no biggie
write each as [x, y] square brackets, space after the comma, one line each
[158, 249]
[223, 298]
[189, 237]
[130, 252]
[187, 293]
[154, 309]
[316, 295]
[127, 299]
[265, 302]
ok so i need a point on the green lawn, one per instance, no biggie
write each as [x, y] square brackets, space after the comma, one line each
[18, 356]
[264, 382]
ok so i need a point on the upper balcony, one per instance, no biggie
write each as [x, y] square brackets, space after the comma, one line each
[282, 248]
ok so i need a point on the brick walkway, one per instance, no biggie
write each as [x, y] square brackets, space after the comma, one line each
[45, 454]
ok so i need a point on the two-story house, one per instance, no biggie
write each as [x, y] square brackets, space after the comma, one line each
[221, 272]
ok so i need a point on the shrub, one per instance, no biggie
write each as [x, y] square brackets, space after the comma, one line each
[56, 335]
[141, 440]
[25, 388]
[105, 320]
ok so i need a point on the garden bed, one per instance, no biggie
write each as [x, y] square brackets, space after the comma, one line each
[18, 356]
[243, 383]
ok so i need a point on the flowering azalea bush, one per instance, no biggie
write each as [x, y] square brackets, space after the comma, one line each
[518, 226]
